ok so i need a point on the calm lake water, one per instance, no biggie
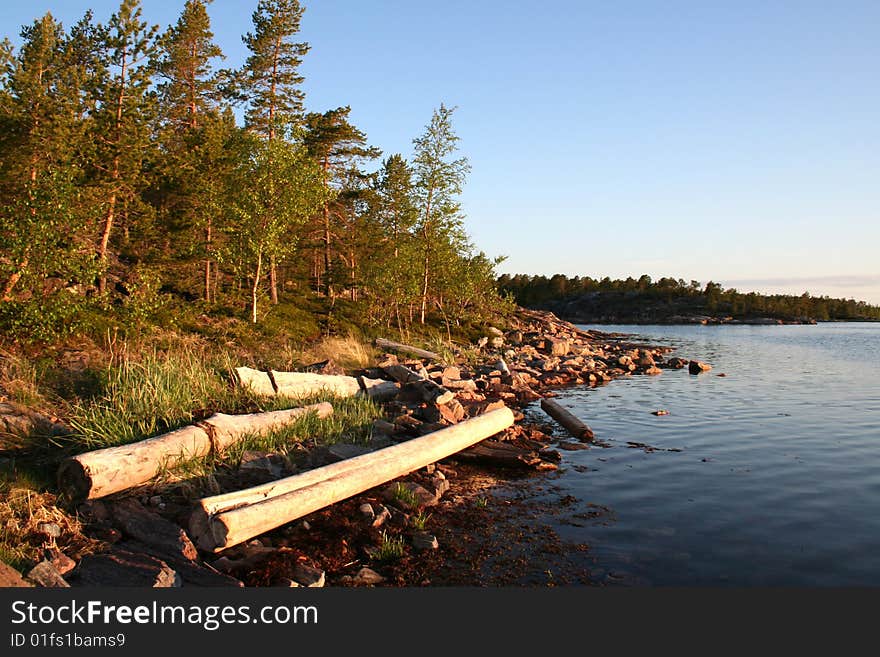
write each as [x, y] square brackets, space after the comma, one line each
[778, 479]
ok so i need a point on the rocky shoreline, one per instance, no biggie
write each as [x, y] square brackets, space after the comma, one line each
[444, 524]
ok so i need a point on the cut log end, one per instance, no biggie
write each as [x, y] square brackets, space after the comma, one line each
[74, 480]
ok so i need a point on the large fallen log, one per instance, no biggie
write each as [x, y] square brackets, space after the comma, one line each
[114, 469]
[305, 384]
[405, 348]
[226, 520]
[256, 381]
[571, 424]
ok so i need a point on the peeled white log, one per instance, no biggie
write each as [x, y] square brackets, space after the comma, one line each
[216, 528]
[229, 429]
[114, 469]
[378, 390]
[304, 384]
[256, 381]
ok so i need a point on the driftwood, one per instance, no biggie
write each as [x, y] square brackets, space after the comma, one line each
[105, 471]
[379, 390]
[571, 424]
[304, 384]
[254, 380]
[405, 348]
[226, 520]
[494, 452]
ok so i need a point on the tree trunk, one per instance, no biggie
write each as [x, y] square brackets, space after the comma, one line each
[328, 283]
[105, 234]
[273, 281]
[255, 288]
[208, 237]
[226, 520]
[424, 287]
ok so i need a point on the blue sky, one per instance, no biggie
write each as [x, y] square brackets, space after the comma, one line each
[737, 141]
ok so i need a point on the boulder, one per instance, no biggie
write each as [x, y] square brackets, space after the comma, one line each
[364, 577]
[123, 568]
[697, 367]
[44, 574]
[10, 577]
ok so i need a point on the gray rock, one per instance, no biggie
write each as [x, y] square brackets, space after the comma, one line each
[342, 451]
[122, 568]
[441, 485]
[60, 561]
[151, 529]
[367, 510]
[45, 575]
[408, 495]
[364, 577]
[50, 529]
[425, 541]
[696, 367]
[308, 576]
[262, 464]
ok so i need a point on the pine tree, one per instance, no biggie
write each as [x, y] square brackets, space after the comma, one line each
[123, 118]
[270, 79]
[337, 146]
[189, 97]
[44, 245]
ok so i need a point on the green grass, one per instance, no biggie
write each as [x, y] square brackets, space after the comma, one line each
[351, 419]
[407, 498]
[481, 502]
[390, 548]
[420, 520]
[158, 392]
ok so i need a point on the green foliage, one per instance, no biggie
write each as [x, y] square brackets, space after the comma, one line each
[646, 300]
[130, 198]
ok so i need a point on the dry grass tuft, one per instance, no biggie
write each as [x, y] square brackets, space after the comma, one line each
[23, 515]
[348, 352]
[18, 381]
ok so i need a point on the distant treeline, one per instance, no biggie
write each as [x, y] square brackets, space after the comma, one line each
[134, 173]
[643, 299]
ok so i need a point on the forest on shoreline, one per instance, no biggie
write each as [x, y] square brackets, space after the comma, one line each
[670, 300]
[143, 185]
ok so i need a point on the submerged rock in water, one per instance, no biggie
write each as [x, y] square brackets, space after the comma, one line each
[697, 367]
